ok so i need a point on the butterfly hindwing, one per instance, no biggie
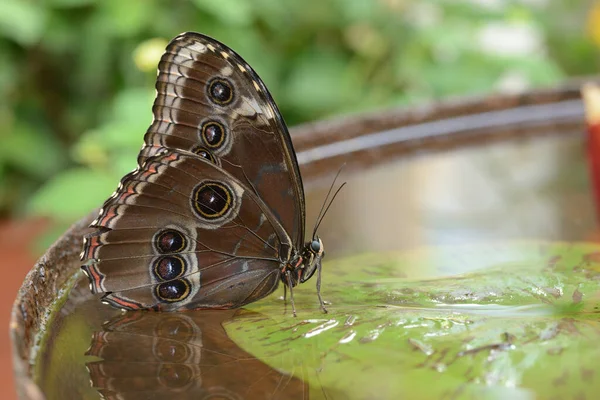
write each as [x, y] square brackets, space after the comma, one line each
[182, 233]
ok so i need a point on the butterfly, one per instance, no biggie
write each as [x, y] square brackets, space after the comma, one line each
[213, 217]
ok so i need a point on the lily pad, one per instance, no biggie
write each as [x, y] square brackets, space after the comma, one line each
[516, 320]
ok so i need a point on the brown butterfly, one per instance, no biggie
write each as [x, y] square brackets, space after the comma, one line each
[214, 215]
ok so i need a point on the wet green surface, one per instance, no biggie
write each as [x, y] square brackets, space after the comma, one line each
[523, 324]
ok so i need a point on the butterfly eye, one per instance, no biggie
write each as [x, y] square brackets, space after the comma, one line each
[315, 246]
[170, 241]
[220, 91]
[213, 134]
[211, 200]
[204, 153]
[168, 268]
[171, 291]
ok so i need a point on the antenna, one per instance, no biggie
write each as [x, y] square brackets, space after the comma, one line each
[321, 213]
[327, 209]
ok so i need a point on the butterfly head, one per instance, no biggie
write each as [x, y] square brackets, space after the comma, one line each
[312, 254]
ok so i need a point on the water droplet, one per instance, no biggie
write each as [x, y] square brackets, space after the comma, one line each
[321, 328]
[347, 338]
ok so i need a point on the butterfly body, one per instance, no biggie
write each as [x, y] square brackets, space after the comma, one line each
[213, 217]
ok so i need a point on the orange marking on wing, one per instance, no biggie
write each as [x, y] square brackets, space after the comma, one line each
[171, 157]
[128, 192]
[147, 174]
[110, 214]
[92, 246]
[125, 303]
[144, 175]
[130, 188]
[96, 276]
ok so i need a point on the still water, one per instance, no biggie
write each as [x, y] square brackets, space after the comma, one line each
[531, 188]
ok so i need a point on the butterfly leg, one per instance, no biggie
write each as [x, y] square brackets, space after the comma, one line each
[319, 286]
[284, 299]
[288, 276]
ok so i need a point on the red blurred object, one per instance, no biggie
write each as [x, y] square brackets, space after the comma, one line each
[16, 238]
[591, 99]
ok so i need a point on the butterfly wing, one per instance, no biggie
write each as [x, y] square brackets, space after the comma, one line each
[182, 233]
[212, 103]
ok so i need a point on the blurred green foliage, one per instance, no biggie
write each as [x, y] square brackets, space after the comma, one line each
[77, 76]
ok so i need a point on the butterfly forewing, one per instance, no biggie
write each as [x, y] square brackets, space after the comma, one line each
[212, 103]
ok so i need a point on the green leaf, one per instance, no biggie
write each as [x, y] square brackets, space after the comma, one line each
[134, 106]
[230, 12]
[124, 161]
[22, 21]
[71, 3]
[8, 72]
[523, 320]
[148, 53]
[122, 134]
[126, 18]
[538, 69]
[30, 151]
[322, 82]
[72, 194]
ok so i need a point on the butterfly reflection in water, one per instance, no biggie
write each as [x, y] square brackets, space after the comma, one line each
[213, 217]
[181, 355]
